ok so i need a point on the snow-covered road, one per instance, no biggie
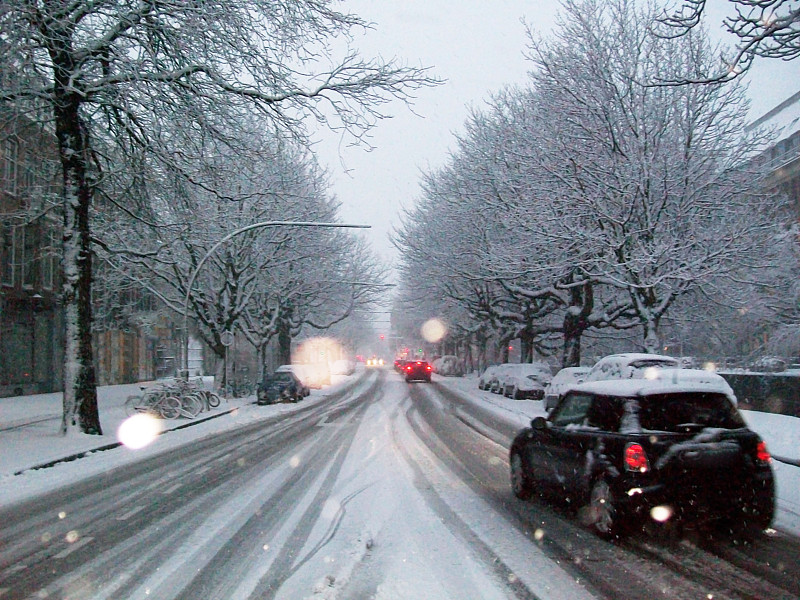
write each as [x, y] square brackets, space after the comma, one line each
[377, 490]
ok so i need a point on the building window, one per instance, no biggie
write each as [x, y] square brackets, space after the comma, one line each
[7, 256]
[10, 165]
[48, 260]
[28, 258]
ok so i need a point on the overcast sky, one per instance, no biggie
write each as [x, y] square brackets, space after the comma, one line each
[477, 46]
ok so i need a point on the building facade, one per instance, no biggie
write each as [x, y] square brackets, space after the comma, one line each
[31, 312]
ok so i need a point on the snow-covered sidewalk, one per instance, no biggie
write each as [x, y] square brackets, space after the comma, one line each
[30, 436]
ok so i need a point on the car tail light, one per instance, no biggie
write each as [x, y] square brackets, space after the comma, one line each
[762, 454]
[636, 459]
[409, 367]
[428, 368]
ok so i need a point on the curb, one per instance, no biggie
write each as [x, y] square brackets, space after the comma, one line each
[84, 453]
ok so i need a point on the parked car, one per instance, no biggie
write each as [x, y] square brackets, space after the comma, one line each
[525, 380]
[300, 373]
[561, 381]
[448, 365]
[769, 364]
[281, 386]
[418, 370]
[623, 366]
[486, 377]
[495, 383]
[630, 452]
[313, 375]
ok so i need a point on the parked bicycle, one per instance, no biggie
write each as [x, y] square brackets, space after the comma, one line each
[171, 400]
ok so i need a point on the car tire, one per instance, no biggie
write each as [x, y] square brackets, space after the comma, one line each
[753, 517]
[521, 481]
[603, 514]
[515, 394]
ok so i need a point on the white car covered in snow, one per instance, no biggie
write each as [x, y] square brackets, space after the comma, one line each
[525, 380]
[624, 366]
[561, 382]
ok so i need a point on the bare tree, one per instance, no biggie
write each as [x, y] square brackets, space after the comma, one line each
[761, 28]
[117, 70]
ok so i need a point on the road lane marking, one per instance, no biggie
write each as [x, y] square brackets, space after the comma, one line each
[130, 513]
[172, 489]
[72, 547]
[323, 422]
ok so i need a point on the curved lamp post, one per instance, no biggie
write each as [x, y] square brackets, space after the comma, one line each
[213, 249]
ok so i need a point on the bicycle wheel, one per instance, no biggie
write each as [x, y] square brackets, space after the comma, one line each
[191, 405]
[212, 400]
[169, 407]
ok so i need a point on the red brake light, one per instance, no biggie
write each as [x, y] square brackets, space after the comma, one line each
[409, 367]
[635, 458]
[762, 453]
[428, 367]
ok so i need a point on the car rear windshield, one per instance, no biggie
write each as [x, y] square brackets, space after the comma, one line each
[281, 376]
[673, 412]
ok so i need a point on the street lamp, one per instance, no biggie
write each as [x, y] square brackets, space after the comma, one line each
[224, 239]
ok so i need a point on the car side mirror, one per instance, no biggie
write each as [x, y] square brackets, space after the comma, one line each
[539, 423]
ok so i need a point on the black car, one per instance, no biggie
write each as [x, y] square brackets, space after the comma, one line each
[632, 452]
[418, 370]
[282, 386]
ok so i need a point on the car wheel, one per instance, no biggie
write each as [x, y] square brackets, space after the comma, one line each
[752, 518]
[603, 513]
[515, 394]
[521, 482]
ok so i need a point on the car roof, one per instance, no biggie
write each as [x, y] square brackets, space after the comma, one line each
[664, 381]
[574, 370]
[634, 356]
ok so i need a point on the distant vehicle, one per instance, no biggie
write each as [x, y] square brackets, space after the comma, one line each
[300, 373]
[647, 451]
[561, 381]
[374, 362]
[525, 380]
[769, 364]
[418, 370]
[623, 366]
[313, 375]
[282, 386]
[399, 364]
[485, 380]
[448, 365]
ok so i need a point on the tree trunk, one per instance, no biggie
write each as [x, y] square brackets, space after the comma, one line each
[575, 323]
[80, 387]
[284, 343]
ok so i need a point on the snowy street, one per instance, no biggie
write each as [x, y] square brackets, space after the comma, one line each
[372, 488]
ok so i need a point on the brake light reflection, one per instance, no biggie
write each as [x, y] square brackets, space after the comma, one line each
[762, 453]
[636, 459]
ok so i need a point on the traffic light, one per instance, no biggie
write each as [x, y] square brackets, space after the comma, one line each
[381, 336]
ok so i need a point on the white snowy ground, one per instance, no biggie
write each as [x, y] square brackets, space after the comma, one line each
[404, 527]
